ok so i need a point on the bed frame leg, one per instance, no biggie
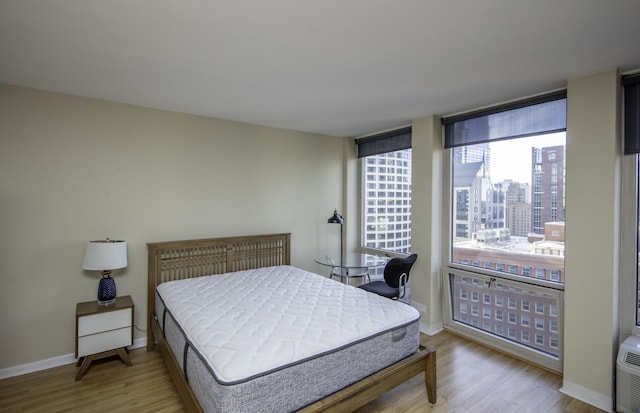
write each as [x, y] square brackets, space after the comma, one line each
[430, 375]
[151, 342]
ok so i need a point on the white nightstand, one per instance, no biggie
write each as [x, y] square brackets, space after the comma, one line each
[103, 331]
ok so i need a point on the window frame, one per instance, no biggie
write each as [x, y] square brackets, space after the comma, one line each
[629, 245]
[362, 167]
[548, 287]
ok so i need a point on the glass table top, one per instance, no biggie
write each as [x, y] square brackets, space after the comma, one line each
[353, 260]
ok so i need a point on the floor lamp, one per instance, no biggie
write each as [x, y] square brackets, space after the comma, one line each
[337, 219]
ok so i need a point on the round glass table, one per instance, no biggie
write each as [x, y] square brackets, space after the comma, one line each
[353, 265]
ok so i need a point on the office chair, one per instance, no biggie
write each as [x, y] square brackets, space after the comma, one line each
[396, 277]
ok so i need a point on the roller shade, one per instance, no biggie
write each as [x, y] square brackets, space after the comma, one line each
[631, 90]
[385, 142]
[539, 115]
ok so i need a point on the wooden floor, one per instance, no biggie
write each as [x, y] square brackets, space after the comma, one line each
[471, 378]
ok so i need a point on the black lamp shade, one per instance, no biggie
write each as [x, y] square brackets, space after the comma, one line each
[335, 218]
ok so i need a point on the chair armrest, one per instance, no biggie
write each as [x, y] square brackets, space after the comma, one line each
[402, 288]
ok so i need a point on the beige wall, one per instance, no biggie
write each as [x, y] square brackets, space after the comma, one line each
[426, 218]
[593, 208]
[75, 169]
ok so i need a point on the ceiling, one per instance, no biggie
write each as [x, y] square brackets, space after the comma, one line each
[336, 67]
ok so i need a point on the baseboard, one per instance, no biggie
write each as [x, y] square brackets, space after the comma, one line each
[601, 401]
[53, 362]
[431, 330]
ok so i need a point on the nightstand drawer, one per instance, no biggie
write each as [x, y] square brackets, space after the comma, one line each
[96, 323]
[97, 343]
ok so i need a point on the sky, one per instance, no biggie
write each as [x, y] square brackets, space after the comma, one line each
[511, 159]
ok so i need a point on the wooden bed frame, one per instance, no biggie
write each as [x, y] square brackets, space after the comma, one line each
[175, 260]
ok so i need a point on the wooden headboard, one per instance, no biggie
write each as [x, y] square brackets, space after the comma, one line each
[177, 260]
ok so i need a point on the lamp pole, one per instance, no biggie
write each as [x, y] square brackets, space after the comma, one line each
[337, 219]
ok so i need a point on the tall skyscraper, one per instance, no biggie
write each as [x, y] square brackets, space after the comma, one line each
[387, 199]
[547, 188]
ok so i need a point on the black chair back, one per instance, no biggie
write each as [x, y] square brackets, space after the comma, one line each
[396, 267]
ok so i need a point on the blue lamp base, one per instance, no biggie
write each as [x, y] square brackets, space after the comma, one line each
[107, 291]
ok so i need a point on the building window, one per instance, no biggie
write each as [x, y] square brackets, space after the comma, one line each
[475, 310]
[386, 196]
[506, 203]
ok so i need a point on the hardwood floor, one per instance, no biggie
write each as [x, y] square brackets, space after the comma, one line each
[471, 378]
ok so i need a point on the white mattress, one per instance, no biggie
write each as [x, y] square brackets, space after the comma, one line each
[250, 323]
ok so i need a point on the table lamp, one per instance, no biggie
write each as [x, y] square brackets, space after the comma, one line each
[105, 255]
[337, 219]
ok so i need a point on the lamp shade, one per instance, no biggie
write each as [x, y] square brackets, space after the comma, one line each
[335, 218]
[105, 255]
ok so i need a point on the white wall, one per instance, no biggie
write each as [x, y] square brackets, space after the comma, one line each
[74, 169]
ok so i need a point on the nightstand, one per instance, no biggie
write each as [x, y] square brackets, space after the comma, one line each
[103, 331]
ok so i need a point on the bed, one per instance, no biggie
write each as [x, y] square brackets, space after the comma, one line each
[267, 370]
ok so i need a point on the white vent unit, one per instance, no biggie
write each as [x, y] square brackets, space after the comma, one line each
[628, 376]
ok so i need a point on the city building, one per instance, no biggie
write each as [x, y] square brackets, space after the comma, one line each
[387, 197]
[547, 177]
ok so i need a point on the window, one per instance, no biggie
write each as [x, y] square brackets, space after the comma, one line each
[506, 203]
[630, 291]
[630, 280]
[386, 191]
